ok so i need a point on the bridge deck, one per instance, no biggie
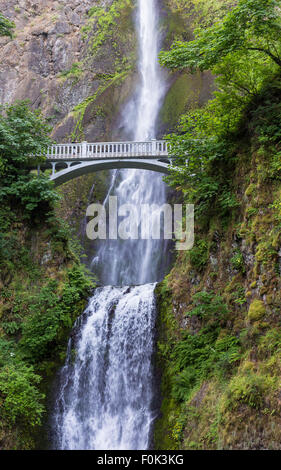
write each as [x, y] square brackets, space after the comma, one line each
[85, 151]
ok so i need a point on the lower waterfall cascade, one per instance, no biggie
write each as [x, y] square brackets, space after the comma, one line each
[105, 396]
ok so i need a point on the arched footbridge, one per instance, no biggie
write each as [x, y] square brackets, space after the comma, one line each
[71, 160]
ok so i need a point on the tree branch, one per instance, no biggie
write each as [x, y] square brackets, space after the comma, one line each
[272, 56]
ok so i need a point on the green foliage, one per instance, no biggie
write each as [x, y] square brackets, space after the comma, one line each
[197, 357]
[201, 169]
[237, 262]
[178, 429]
[238, 295]
[36, 317]
[34, 193]
[208, 305]
[20, 399]
[11, 327]
[184, 383]
[208, 353]
[250, 26]
[105, 20]
[95, 11]
[51, 315]
[242, 49]
[199, 254]
[39, 300]
[226, 365]
[270, 343]
[80, 110]
[40, 322]
[7, 349]
[250, 389]
[265, 114]
[24, 138]
[6, 26]
[75, 71]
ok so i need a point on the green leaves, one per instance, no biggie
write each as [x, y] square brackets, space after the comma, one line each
[208, 305]
[21, 400]
[38, 194]
[6, 26]
[250, 389]
[24, 138]
[199, 255]
[197, 357]
[23, 133]
[250, 26]
[206, 353]
[243, 50]
[52, 314]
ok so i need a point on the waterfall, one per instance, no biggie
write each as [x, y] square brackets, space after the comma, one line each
[105, 399]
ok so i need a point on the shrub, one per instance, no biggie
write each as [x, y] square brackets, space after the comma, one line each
[183, 384]
[51, 313]
[197, 357]
[6, 26]
[237, 262]
[207, 305]
[22, 401]
[270, 343]
[249, 389]
[199, 254]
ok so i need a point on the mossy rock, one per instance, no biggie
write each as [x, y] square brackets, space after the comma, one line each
[257, 310]
[186, 92]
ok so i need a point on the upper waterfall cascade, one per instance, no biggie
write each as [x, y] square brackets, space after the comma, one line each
[106, 397]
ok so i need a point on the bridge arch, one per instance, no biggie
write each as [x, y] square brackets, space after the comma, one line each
[87, 167]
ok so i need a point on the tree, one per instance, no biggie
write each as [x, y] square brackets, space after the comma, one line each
[251, 26]
[243, 51]
[21, 399]
[6, 26]
[24, 138]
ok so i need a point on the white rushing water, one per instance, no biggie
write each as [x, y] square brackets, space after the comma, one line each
[105, 396]
[137, 262]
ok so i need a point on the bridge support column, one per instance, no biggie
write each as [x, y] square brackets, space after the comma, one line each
[53, 167]
[38, 170]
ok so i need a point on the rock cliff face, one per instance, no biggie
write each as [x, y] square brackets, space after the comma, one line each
[67, 54]
[77, 62]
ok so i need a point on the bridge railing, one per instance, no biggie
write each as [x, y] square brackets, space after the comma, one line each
[101, 150]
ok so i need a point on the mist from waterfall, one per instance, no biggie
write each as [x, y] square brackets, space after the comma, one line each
[106, 395]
